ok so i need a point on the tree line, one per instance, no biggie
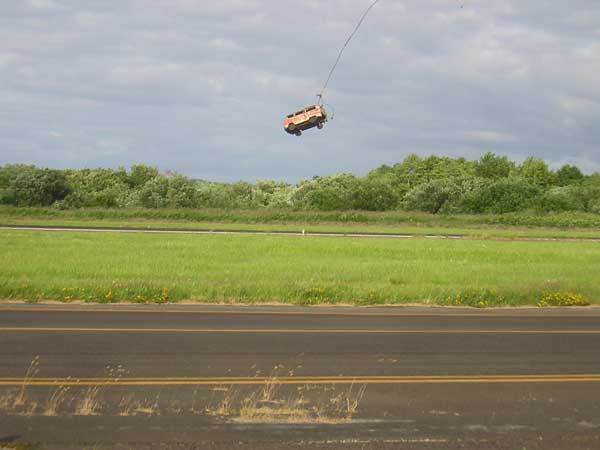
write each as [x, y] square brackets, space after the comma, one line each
[492, 184]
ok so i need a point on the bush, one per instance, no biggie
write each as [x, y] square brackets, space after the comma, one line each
[336, 192]
[568, 175]
[589, 195]
[563, 299]
[153, 194]
[561, 199]
[536, 172]
[375, 195]
[95, 188]
[594, 206]
[29, 186]
[140, 174]
[474, 298]
[501, 196]
[494, 167]
[432, 196]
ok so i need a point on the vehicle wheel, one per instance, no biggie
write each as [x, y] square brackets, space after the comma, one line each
[320, 125]
[291, 127]
[298, 133]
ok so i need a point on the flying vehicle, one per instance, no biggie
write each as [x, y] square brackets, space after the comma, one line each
[310, 117]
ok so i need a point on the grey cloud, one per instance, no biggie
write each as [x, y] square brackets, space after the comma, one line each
[201, 87]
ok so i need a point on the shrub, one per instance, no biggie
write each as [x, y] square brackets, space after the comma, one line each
[501, 196]
[327, 193]
[95, 188]
[29, 186]
[432, 196]
[536, 171]
[494, 167]
[563, 299]
[140, 174]
[594, 206]
[375, 195]
[568, 175]
[474, 298]
[153, 194]
[561, 199]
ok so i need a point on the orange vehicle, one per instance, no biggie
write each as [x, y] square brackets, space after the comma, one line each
[309, 117]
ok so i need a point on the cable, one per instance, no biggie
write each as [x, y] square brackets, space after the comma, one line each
[320, 94]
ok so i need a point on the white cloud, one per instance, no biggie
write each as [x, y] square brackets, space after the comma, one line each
[578, 105]
[489, 136]
[225, 44]
[41, 4]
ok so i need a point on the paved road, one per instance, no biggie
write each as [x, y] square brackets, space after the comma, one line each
[390, 235]
[222, 377]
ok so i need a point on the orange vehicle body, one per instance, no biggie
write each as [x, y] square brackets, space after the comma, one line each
[309, 117]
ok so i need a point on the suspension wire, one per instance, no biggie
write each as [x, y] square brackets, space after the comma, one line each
[320, 94]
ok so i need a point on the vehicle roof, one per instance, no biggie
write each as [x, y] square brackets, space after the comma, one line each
[308, 108]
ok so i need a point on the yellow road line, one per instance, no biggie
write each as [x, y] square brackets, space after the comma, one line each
[283, 331]
[445, 313]
[315, 380]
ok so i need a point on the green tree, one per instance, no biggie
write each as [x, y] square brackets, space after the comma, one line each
[153, 194]
[493, 167]
[101, 188]
[501, 196]
[567, 175]
[563, 198]
[140, 174]
[536, 172]
[29, 186]
[375, 195]
[181, 192]
[432, 196]
[336, 192]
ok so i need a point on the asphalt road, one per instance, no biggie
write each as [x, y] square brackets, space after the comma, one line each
[267, 378]
[383, 235]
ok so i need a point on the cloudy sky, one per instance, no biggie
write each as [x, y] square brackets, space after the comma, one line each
[201, 86]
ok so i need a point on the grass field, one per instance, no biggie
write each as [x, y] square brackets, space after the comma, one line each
[298, 270]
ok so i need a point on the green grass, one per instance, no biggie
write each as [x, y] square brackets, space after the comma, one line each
[296, 270]
[480, 227]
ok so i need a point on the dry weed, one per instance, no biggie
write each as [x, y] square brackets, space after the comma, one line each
[149, 407]
[225, 406]
[131, 406]
[353, 399]
[32, 371]
[345, 404]
[126, 405]
[30, 409]
[269, 389]
[296, 409]
[55, 400]
[7, 399]
[89, 403]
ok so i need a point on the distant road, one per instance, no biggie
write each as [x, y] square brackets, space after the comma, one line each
[432, 378]
[207, 231]
[282, 233]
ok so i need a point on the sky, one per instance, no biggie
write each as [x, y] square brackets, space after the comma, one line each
[201, 87]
